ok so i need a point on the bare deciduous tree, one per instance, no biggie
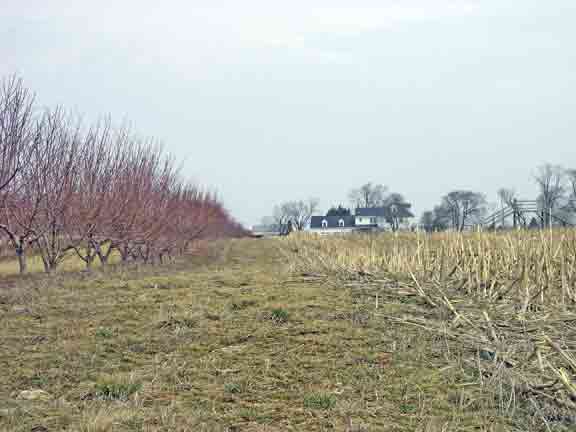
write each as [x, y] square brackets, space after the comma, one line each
[368, 195]
[58, 155]
[93, 191]
[396, 210]
[16, 129]
[571, 179]
[301, 211]
[507, 196]
[281, 219]
[294, 215]
[550, 181]
[21, 209]
[462, 207]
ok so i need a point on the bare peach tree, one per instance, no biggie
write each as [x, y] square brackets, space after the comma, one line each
[69, 190]
[59, 146]
[16, 129]
[90, 194]
[18, 204]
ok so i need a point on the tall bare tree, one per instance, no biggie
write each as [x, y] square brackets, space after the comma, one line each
[301, 212]
[294, 215]
[20, 211]
[16, 129]
[281, 218]
[90, 197]
[59, 143]
[571, 178]
[550, 180]
[368, 195]
[509, 198]
[463, 207]
[571, 181]
[396, 210]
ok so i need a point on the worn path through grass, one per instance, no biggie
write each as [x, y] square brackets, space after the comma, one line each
[231, 342]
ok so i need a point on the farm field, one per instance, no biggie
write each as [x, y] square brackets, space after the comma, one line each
[304, 334]
[255, 217]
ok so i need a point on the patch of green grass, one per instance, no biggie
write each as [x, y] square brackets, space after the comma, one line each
[39, 381]
[249, 414]
[408, 408]
[319, 401]
[111, 389]
[233, 387]
[279, 315]
[105, 333]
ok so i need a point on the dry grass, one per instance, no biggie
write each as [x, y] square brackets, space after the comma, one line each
[234, 340]
[72, 263]
[503, 303]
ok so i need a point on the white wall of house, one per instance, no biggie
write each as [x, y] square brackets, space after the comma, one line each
[381, 222]
[370, 220]
[365, 220]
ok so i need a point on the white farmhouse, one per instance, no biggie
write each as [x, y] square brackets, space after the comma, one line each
[365, 219]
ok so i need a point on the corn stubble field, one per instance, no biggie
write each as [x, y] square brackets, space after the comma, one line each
[407, 332]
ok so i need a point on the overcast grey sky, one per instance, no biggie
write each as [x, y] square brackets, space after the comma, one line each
[269, 101]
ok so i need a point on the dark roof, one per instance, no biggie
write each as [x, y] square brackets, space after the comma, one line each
[403, 211]
[333, 221]
[371, 211]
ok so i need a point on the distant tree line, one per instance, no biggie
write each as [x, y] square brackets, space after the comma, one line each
[338, 211]
[458, 210]
[295, 215]
[72, 189]
[555, 203]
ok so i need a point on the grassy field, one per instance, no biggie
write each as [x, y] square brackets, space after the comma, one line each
[257, 335]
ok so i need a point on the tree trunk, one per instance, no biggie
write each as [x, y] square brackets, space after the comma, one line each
[124, 254]
[104, 256]
[53, 265]
[89, 261]
[50, 262]
[22, 262]
[103, 259]
[46, 264]
[98, 251]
